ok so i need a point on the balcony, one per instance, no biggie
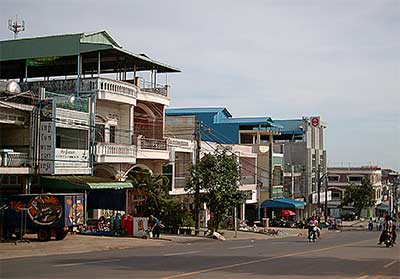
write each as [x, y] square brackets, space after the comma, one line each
[14, 162]
[149, 148]
[107, 89]
[115, 153]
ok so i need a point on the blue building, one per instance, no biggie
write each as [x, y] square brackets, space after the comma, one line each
[297, 146]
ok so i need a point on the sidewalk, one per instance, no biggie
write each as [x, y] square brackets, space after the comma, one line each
[75, 243]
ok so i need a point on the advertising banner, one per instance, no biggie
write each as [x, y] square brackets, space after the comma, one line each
[47, 139]
[140, 226]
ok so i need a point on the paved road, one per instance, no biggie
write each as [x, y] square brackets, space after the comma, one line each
[352, 254]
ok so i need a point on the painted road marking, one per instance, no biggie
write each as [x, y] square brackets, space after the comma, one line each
[182, 253]
[83, 263]
[241, 247]
[389, 264]
[363, 277]
[281, 242]
[259, 261]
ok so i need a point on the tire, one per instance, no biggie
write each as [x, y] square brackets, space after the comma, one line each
[43, 235]
[61, 235]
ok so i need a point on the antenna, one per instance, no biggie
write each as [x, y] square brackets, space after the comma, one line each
[14, 27]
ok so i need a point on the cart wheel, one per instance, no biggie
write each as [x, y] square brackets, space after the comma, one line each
[61, 235]
[43, 235]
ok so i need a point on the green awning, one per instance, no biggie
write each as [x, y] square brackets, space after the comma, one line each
[64, 183]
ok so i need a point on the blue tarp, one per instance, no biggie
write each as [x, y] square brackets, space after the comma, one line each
[282, 203]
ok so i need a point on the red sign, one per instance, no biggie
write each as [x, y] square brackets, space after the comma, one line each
[315, 121]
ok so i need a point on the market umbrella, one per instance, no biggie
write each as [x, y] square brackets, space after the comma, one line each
[286, 213]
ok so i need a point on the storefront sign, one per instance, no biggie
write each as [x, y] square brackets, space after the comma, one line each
[77, 158]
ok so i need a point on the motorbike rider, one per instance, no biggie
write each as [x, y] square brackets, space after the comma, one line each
[370, 224]
[312, 224]
[387, 228]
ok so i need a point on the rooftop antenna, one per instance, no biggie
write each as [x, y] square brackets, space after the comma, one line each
[14, 27]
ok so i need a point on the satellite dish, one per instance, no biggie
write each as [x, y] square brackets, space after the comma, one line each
[11, 87]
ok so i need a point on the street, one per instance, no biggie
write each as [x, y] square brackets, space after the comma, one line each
[348, 254]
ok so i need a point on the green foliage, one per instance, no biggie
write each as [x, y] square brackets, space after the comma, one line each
[153, 188]
[217, 176]
[359, 197]
[174, 215]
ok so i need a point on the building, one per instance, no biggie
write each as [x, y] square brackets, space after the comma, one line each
[305, 157]
[339, 178]
[125, 101]
[217, 125]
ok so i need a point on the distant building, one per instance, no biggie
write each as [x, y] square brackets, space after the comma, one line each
[340, 178]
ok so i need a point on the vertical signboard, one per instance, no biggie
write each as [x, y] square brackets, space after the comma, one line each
[47, 136]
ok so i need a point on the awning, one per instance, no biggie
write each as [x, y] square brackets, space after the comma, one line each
[382, 206]
[282, 203]
[64, 183]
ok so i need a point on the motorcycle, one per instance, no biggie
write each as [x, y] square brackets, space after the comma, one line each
[370, 226]
[388, 240]
[312, 234]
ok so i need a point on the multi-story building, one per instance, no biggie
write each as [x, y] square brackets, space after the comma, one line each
[304, 156]
[47, 136]
[218, 126]
[339, 178]
[127, 124]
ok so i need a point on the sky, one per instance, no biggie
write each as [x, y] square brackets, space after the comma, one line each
[283, 59]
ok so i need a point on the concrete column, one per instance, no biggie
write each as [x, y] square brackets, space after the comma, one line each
[131, 122]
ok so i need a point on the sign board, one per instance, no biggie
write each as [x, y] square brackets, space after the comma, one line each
[140, 226]
[315, 121]
[47, 137]
[321, 197]
[76, 158]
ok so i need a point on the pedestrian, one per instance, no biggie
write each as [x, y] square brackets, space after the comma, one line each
[154, 226]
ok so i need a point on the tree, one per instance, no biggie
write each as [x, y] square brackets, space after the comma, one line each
[153, 187]
[217, 176]
[359, 197]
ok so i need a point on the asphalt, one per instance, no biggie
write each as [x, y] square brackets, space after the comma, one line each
[345, 254]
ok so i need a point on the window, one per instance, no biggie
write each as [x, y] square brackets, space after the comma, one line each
[71, 138]
[336, 195]
[100, 133]
[355, 179]
[112, 134]
[246, 139]
[333, 178]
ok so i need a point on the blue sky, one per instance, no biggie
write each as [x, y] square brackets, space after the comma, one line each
[284, 59]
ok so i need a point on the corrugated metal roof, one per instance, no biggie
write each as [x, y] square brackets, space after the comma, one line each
[82, 182]
[291, 125]
[192, 111]
[69, 45]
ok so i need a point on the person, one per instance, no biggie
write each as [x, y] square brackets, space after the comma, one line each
[312, 224]
[154, 226]
[370, 224]
[387, 228]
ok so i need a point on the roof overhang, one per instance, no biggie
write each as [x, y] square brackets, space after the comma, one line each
[57, 56]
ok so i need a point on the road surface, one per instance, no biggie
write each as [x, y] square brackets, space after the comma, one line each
[349, 254]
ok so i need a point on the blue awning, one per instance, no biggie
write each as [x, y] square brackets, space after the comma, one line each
[282, 203]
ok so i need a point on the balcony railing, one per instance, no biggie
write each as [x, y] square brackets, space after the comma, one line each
[115, 150]
[85, 85]
[14, 159]
[153, 88]
[149, 143]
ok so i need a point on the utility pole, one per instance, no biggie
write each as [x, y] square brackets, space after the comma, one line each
[292, 176]
[318, 190]
[198, 127]
[326, 197]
